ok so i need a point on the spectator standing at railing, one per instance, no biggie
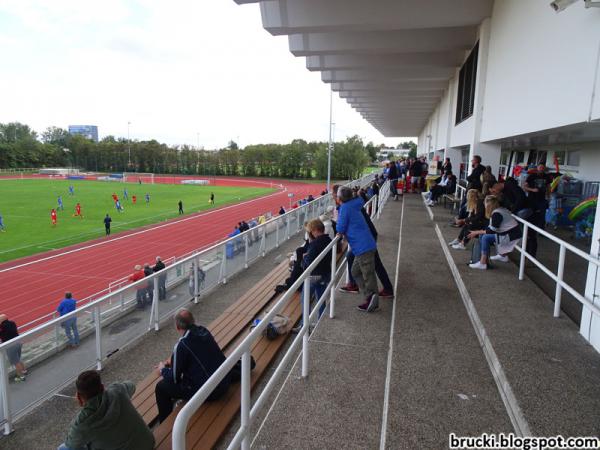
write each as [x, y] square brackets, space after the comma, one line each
[162, 278]
[195, 358]
[393, 178]
[150, 286]
[140, 293]
[8, 331]
[380, 270]
[281, 211]
[352, 225]
[320, 277]
[107, 420]
[67, 305]
[416, 170]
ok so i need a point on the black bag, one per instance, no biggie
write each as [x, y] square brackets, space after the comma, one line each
[475, 251]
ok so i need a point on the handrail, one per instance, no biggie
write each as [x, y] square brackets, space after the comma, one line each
[243, 349]
[558, 276]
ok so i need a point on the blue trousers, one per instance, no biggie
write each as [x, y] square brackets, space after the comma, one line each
[316, 290]
[71, 331]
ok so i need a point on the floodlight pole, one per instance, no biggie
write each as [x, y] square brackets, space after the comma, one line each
[329, 147]
[128, 145]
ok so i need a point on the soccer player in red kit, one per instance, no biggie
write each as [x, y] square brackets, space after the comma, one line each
[53, 217]
[133, 199]
[78, 211]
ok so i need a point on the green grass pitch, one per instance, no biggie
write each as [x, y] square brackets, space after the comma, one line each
[25, 208]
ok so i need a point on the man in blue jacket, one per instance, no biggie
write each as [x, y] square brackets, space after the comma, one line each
[67, 305]
[195, 358]
[351, 223]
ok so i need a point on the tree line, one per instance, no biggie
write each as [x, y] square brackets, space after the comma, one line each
[22, 147]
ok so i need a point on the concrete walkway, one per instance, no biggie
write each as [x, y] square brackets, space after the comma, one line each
[470, 352]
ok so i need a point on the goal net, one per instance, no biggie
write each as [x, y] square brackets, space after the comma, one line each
[138, 177]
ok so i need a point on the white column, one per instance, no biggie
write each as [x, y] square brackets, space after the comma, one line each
[590, 323]
[490, 153]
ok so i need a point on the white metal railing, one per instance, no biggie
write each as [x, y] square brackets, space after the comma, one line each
[460, 193]
[558, 276]
[203, 270]
[249, 412]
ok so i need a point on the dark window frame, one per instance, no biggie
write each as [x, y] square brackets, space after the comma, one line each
[467, 81]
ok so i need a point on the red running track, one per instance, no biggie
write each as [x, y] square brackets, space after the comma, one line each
[33, 286]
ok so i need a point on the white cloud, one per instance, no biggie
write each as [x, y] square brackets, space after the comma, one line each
[174, 69]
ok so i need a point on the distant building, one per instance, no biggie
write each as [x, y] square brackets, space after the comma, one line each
[88, 131]
[384, 153]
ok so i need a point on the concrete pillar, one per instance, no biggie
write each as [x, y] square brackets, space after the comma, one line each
[455, 156]
[490, 155]
[590, 323]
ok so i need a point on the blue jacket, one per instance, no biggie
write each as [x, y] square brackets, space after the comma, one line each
[66, 306]
[353, 225]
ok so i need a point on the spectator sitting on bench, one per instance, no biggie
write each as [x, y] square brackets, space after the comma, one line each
[195, 358]
[442, 185]
[474, 221]
[503, 230]
[107, 419]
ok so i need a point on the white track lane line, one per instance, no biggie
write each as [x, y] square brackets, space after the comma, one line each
[47, 258]
[388, 375]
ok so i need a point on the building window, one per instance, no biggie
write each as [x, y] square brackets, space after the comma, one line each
[465, 100]
[560, 157]
[573, 158]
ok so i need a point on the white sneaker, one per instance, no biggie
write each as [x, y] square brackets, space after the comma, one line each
[453, 242]
[478, 265]
[499, 258]
[459, 246]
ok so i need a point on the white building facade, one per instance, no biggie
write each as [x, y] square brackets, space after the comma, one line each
[510, 80]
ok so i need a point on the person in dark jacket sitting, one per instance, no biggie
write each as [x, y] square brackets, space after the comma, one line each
[195, 358]
[318, 240]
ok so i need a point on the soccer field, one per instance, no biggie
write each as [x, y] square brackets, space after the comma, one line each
[25, 207]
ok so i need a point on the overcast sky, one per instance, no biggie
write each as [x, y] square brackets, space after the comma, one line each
[181, 72]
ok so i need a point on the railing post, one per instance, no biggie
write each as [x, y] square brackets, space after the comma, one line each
[224, 264]
[523, 251]
[155, 304]
[559, 275]
[305, 324]
[196, 266]
[245, 399]
[56, 332]
[122, 299]
[277, 232]
[4, 393]
[287, 227]
[98, 338]
[263, 241]
[245, 250]
[332, 290]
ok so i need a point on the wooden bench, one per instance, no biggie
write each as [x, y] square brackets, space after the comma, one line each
[233, 321]
[211, 420]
